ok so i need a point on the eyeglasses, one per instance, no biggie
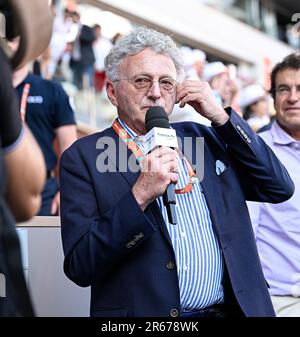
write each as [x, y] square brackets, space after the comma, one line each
[144, 83]
[285, 90]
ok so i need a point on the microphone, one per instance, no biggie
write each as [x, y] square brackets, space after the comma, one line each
[159, 133]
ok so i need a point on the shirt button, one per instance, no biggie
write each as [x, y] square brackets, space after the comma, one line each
[185, 268]
[174, 312]
[183, 235]
[170, 265]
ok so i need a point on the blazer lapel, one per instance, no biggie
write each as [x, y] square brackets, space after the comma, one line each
[121, 156]
[126, 164]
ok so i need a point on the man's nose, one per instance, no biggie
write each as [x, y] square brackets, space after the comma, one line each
[154, 91]
[294, 95]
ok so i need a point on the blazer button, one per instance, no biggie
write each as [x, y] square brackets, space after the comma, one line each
[170, 265]
[174, 312]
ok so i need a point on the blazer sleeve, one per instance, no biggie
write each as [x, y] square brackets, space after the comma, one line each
[263, 177]
[95, 241]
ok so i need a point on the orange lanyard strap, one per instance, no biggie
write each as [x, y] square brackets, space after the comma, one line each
[128, 140]
[139, 156]
[24, 101]
[192, 178]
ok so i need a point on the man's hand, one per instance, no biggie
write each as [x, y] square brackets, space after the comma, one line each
[199, 95]
[159, 169]
[55, 204]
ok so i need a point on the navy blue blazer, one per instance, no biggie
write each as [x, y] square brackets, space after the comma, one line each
[124, 254]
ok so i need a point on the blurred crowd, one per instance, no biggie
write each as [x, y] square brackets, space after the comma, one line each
[248, 98]
[72, 69]
[76, 52]
[76, 55]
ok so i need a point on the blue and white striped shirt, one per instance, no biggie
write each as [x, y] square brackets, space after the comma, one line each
[197, 251]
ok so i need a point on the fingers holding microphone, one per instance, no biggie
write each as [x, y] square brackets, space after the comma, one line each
[159, 169]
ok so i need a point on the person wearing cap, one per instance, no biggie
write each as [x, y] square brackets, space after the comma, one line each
[216, 74]
[116, 233]
[277, 226]
[194, 60]
[254, 102]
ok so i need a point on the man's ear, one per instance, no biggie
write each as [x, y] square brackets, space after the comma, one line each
[111, 92]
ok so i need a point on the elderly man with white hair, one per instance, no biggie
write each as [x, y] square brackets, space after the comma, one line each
[116, 231]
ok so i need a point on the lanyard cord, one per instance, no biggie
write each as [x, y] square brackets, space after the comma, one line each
[139, 156]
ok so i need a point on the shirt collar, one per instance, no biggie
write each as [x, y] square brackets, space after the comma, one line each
[138, 139]
[280, 136]
[133, 135]
[130, 132]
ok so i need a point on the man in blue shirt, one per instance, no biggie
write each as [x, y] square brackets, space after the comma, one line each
[46, 109]
[49, 115]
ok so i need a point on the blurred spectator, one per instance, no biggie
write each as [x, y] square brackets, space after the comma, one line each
[200, 60]
[83, 58]
[36, 67]
[49, 115]
[231, 97]
[44, 60]
[116, 37]
[194, 61]
[101, 48]
[254, 102]
[229, 94]
[277, 226]
[216, 74]
[224, 88]
[293, 38]
[45, 108]
[61, 28]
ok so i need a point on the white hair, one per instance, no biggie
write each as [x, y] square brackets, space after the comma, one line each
[138, 40]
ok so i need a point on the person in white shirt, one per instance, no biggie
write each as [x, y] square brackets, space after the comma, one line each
[101, 48]
[255, 106]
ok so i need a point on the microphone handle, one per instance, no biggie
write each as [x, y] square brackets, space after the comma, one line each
[169, 202]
